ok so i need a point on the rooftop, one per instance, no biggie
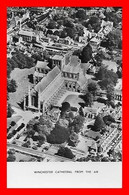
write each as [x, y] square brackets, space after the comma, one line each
[73, 66]
[57, 57]
[42, 64]
[110, 65]
[47, 80]
[26, 33]
[91, 110]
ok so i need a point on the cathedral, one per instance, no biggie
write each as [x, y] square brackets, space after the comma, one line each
[50, 85]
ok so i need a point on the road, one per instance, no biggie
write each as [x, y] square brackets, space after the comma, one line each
[37, 153]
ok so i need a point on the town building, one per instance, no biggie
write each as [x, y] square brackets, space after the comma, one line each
[28, 36]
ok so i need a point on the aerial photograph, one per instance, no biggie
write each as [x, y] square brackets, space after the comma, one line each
[64, 84]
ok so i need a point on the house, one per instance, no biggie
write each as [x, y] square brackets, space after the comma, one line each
[90, 112]
[28, 36]
[66, 41]
[94, 42]
[45, 39]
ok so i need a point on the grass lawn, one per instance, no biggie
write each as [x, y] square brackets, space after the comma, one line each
[14, 118]
[22, 81]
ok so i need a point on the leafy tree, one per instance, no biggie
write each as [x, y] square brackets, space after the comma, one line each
[98, 59]
[65, 107]
[11, 85]
[88, 98]
[81, 111]
[119, 73]
[57, 33]
[110, 92]
[58, 135]
[99, 123]
[11, 158]
[114, 38]
[81, 14]
[106, 76]
[10, 135]
[95, 23]
[65, 152]
[9, 111]
[77, 123]
[51, 24]
[50, 32]
[93, 87]
[70, 32]
[68, 23]
[108, 119]
[86, 54]
[113, 17]
[79, 30]
[63, 34]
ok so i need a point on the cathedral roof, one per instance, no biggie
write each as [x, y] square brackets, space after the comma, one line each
[42, 85]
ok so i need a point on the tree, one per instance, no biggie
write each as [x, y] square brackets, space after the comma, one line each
[57, 33]
[81, 14]
[77, 123]
[63, 34]
[95, 23]
[68, 23]
[80, 30]
[114, 39]
[108, 119]
[9, 111]
[99, 123]
[50, 32]
[110, 92]
[11, 85]
[65, 152]
[73, 139]
[11, 158]
[88, 98]
[113, 17]
[65, 107]
[106, 76]
[51, 24]
[70, 32]
[93, 87]
[58, 135]
[86, 54]
[98, 59]
[81, 111]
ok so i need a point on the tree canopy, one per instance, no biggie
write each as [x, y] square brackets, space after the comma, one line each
[86, 54]
[65, 152]
[11, 85]
[77, 123]
[99, 123]
[52, 24]
[88, 98]
[93, 87]
[107, 77]
[58, 135]
[81, 14]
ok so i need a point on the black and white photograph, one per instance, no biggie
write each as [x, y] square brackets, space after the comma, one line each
[64, 85]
